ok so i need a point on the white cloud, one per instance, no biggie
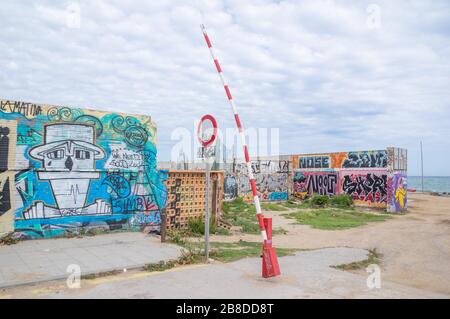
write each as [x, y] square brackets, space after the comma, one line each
[312, 68]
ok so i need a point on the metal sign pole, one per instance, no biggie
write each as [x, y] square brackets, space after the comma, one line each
[421, 160]
[206, 154]
[207, 210]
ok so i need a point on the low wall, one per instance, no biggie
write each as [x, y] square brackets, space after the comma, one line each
[375, 178]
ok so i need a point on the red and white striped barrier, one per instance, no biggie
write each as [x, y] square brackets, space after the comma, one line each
[266, 241]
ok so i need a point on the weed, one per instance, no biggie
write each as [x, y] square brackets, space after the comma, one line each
[101, 274]
[373, 257]
[197, 227]
[335, 218]
[319, 200]
[275, 207]
[342, 200]
[9, 239]
[160, 266]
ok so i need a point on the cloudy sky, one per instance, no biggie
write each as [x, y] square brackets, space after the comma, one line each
[331, 75]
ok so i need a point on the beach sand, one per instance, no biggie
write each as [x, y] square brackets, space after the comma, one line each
[415, 246]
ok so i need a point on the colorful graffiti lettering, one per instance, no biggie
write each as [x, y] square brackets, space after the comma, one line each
[322, 183]
[28, 110]
[276, 196]
[366, 159]
[365, 186]
[263, 167]
[320, 161]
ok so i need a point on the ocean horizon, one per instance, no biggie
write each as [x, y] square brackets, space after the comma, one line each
[440, 184]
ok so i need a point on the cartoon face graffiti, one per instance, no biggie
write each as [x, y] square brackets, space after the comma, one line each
[68, 155]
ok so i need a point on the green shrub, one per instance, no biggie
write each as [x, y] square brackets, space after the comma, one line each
[319, 200]
[197, 226]
[177, 236]
[342, 200]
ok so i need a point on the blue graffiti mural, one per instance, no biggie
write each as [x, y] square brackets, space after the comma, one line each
[80, 168]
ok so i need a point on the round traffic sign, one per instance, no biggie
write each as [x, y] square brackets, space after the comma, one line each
[207, 130]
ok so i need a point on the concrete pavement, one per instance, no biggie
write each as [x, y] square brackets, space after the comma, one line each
[41, 260]
[306, 275]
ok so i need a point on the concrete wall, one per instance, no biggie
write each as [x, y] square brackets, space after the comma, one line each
[66, 168]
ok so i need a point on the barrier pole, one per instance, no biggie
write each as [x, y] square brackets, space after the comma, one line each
[240, 127]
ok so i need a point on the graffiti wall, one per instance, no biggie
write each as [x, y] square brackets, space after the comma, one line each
[370, 177]
[70, 168]
[271, 175]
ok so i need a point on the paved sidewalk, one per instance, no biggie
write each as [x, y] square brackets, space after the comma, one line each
[47, 259]
[306, 275]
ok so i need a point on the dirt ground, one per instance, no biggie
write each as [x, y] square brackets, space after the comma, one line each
[415, 246]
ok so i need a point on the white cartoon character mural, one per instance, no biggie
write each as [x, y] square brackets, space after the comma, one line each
[68, 155]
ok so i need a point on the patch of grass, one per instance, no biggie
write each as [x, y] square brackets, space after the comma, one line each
[279, 231]
[241, 214]
[191, 255]
[335, 218]
[177, 236]
[291, 204]
[342, 200]
[275, 207]
[101, 274]
[160, 266]
[222, 231]
[237, 205]
[319, 201]
[373, 257]
[197, 228]
[227, 252]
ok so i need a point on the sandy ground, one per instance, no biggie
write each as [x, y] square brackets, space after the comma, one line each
[416, 264]
[415, 246]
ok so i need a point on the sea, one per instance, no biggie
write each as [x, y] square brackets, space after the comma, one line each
[439, 184]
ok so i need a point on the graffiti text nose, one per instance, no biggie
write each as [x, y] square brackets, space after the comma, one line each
[69, 163]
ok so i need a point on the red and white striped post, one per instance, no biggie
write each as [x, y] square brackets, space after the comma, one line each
[270, 262]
